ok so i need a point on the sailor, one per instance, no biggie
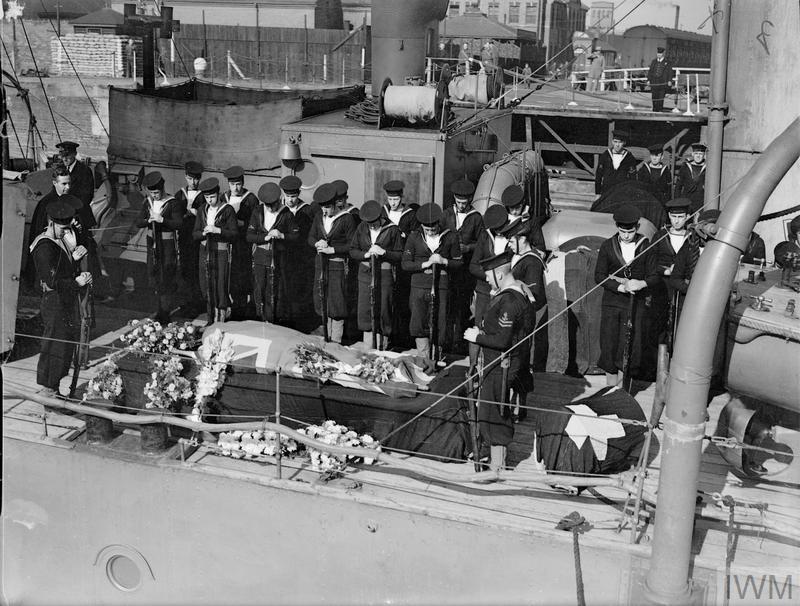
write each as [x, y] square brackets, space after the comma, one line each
[463, 219]
[343, 205]
[431, 254]
[343, 199]
[655, 174]
[513, 198]
[404, 216]
[627, 271]
[662, 317]
[216, 229]
[300, 256]
[81, 181]
[243, 203]
[272, 228]
[691, 180]
[508, 320]
[490, 243]
[62, 181]
[615, 164]
[56, 262]
[330, 236]
[376, 242]
[163, 215]
[527, 264]
[190, 198]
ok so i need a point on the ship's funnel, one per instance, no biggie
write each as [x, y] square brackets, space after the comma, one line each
[403, 33]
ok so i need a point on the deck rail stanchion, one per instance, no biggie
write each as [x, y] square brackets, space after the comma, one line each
[278, 455]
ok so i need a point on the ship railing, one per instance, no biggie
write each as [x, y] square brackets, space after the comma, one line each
[628, 76]
[625, 481]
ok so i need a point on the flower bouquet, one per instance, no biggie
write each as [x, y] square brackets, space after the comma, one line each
[251, 444]
[106, 384]
[375, 369]
[149, 336]
[336, 435]
[213, 358]
[314, 360]
[167, 389]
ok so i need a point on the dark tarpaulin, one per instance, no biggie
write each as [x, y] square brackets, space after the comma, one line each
[442, 431]
[632, 192]
[558, 440]
[218, 126]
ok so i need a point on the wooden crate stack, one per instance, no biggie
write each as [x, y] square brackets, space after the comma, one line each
[92, 55]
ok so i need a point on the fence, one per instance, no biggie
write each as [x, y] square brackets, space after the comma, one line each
[288, 55]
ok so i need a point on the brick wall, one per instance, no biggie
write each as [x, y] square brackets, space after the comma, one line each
[90, 54]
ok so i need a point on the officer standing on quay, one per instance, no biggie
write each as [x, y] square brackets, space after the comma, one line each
[190, 198]
[272, 229]
[300, 255]
[243, 203]
[468, 224]
[430, 253]
[215, 228]
[627, 273]
[505, 382]
[330, 235]
[163, 215]
[61, 283]
[376, 243]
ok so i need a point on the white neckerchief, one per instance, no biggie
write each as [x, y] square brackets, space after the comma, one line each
[676, 240]
[211, 214]
[396, 215]
[628, 251]
[327, 222]
[500, 243]
[236, 201]
[433, 241]
[616, 159]
[296, 208]
[191, 195]
[157, 206]
[460, 218]
[374, 233]
[270, 217]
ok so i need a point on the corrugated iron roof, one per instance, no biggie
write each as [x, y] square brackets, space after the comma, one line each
[105, 16]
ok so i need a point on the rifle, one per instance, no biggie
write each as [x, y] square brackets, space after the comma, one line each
[323, 294]
[628, 348]
[433, 315]
[474, 387]
[85, 302]
[211, 304]
[505, 363]
[273, 292]
[374, 298]
[672, 319]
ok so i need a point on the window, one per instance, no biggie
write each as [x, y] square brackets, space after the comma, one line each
[531, 12]
[454, 9]
[513, 12]
[493, 11]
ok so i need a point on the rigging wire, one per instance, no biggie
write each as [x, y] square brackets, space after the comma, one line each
[23, 93]
[39, 75]
[77, 75]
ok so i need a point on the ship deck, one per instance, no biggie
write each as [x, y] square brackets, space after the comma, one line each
[527, 509]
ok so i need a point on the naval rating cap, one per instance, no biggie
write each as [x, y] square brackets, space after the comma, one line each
[269, 193]
[429, 214]
[370, 211]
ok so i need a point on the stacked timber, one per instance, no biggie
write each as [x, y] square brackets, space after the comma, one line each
[91, 55]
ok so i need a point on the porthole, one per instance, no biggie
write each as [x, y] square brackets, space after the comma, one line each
[123, 573]
[124, 567]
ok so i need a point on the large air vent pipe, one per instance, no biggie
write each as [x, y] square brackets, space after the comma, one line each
[717, 100]
[690, 369]
[403, 33]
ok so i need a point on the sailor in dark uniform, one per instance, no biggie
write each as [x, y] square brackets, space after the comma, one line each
[330, 235]
[271, 230]
[429, 251]
[527, 264]
[404, 216]
[669, 240]
[216, 229]
[490, 243]
[468, 223]
[513, 198]
[342, 203]
[691, 180]
[508, 320]
[376, 238]
[243, 203]
[57, 273]
[191, 199]
[626, 271]
[163, 215]
[615, 165]
[655, 174]
[81, 181]
[300, 255]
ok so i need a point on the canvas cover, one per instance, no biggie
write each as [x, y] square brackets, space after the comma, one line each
[216, 125]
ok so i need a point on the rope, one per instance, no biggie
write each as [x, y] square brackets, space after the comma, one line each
[577, 524]
[39, 75]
